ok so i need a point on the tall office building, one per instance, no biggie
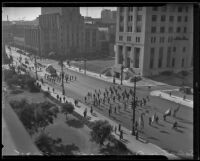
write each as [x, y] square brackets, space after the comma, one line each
[150, 40]
[63, 31]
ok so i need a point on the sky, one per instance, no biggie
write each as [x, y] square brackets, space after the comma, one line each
[30, 13]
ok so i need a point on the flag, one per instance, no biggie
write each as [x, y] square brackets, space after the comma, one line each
[168, 112]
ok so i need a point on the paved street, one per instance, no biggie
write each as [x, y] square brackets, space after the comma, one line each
[161, 135]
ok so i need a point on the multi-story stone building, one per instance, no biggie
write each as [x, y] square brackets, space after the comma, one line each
[150, 40]
[63, 31]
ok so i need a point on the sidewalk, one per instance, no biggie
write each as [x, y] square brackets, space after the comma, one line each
[172, 98]
[144, 82]
[132, 144]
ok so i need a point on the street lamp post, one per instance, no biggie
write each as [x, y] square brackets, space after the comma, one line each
[133, 104]
[122, 68]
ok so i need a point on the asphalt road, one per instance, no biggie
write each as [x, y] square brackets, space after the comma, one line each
[179, 142]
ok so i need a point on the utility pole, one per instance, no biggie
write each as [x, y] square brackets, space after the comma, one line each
[36, 69]
[122, 68]
[62, 77]
[133, 104]
[85, 66]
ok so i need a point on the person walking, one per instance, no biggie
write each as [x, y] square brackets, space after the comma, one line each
[91, 110]
[119, 127]
[115, 110]
[121, 135]
[150, 121]
[53, 90]
[115, 129]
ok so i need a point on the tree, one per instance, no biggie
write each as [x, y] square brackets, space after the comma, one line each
[67, 108]
[47, 144]
[101, 131]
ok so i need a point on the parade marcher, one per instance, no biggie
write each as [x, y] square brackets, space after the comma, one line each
[91, 110]
[175, 124]
[109, 112]
[64, 99]
[115, 129]
[150, 121]
[121, 135]
[115, 110]
[176, 110]
[170, 94]
[119, 127]
[53, 90]
[136, 134]
[60, 99]
[85, 99]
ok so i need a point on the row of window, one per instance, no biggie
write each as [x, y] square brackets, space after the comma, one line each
[129, 28]
[171, 18]
[162, 39]
[163, 9]
[137, 39]
[170, 29]
[130, 9]
[172, 8]
[130, 18]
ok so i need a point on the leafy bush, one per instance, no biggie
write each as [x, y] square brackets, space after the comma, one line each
[138, 78]
[67, 108]
[108, 73]
[184, 73]
[101, 130]
[166, 73]
[17, 91]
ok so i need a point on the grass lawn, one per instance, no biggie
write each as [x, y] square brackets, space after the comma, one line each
[96, 66]
[175, 79]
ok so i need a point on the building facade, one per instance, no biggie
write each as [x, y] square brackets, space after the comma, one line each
[150, 40]
[63, 31]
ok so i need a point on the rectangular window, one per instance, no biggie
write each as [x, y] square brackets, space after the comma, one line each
[152, 51]
[130, 9]
[171, 18]
[153, 29]
[129, 29]
[178, 29]
[163, 18]
[137, 39]
[154, 18]
[128, 38]
[162, 29]
[138, 29]
[121, 29]
[139, 17]
[179, 9]
[154, 9]
[160, 57]
[139, 8]
[179, 18]
[153, 40]
[186, 18]
[130, 18]
[120, 38]
[162, 39]
[185, 29]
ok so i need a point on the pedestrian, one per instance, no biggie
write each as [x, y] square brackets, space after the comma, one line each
[109, 112]
[64, 99]
[115, 110]
[115, 129]
[136, 125]
[53, 90]
[85, 99]
[157, 119]
[170, 94]
[91, 110]
[175, 124]
[136, 134]
[150, 121]
[48, 88]
[121, 135]
[60, 99]
[119, 127]
[184, 97]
